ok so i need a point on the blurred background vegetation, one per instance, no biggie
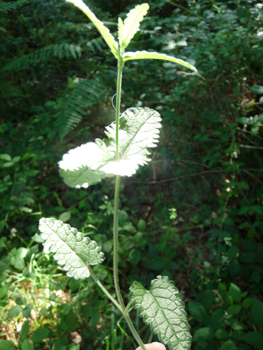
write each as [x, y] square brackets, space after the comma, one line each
[194, 214]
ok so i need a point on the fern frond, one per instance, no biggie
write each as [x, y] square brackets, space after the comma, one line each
[8, 90]
[76, 27]
[75, 102]
[8, 6]
[42, 55]
[97, 44]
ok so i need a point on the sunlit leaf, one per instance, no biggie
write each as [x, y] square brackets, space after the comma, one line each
[91, 162]
[163, 309]
[104, 31]
[141, 55]
[72, 250]
[131, 24]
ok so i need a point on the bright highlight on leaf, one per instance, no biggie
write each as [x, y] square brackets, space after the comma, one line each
[104, 31]
[163, 309]
[131, 24]
[140, 55]
[91, 162]
[71, 249]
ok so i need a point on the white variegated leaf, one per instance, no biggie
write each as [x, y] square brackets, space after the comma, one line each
[162, 307]
[132, 24]
[104, 31]
[72, 250]
[143, 55]
[91, 162]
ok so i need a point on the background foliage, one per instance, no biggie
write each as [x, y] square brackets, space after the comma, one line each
[57, 81]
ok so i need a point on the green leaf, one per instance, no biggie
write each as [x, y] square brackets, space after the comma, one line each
[246, 303]
[3, 291]
[141, 225]
[134, 256]
[71, 249]
[254, 339]
[131, 24]
[163, 309]
[257, 89]
[203, 334]
[221, 334]
[235, 292]
[241, 12]
[26, 345]
[120, 29]
[24, 331]
[216, 319]
[6, 157]
[228, 345]
[43, 311]
[7, 345]
[74, 284]
[2, 225]
[14, 311]
[65, 216]
[238, 335]
[234, 309]
[198, 311]
[84, 176]
[140, 55]
[89, 163]
[257, 313]
[104, 31]
[40, 334]
[27, 310]
[20, 301]
[73, 346]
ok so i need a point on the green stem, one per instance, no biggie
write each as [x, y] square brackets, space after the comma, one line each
[115, 242]
[116, 208]
[118, 104]
[104, 289]
[123, 310]
[134, 332]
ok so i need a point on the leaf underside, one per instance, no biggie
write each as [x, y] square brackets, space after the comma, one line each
[91, 162]
[162, 307]
[140, 55]
[72, 250]
[104, 31]
[131, 25]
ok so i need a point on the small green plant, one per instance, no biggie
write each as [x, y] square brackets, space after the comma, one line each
[120, 154]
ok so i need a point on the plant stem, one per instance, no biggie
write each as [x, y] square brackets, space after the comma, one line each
[134, 332]
[124, 311]
[117, 187]
[116, 209]
[118, 104]
[115, 242]
[104, 289]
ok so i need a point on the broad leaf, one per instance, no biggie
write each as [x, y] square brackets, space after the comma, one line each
[163, 309]
[91, 162]
[131, 24]
[141, 55]
[104, 31]
[257, 89]
[72, 250]
[81, 175]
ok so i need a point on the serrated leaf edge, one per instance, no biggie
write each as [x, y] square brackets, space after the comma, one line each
[90, 245]
[141, 55]
[104, 31]
[142, 311]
